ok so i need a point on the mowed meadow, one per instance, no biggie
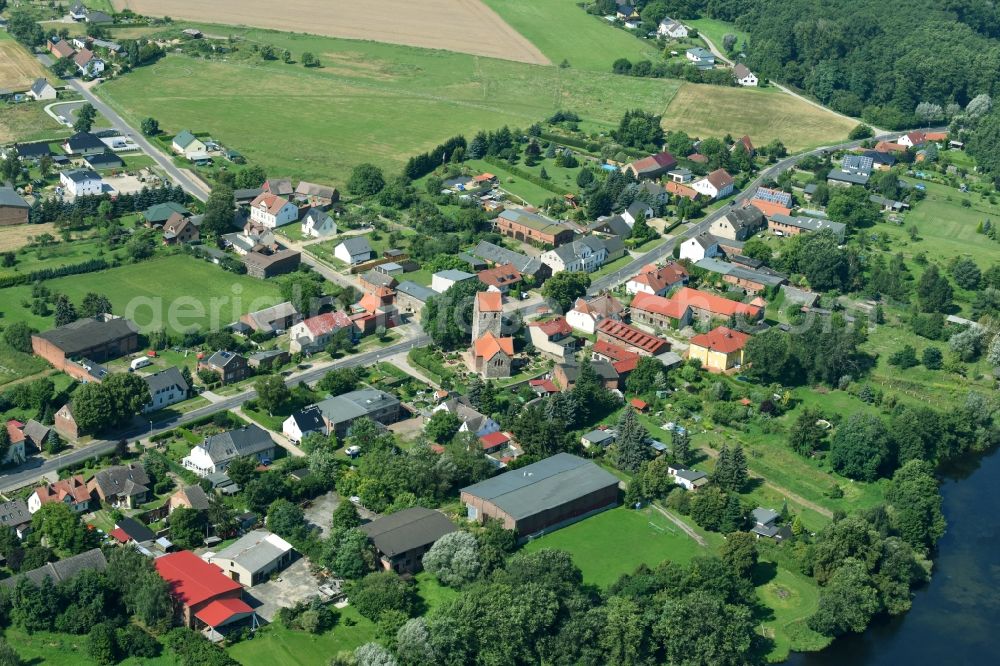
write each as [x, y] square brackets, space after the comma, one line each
[381, 103]
[369, 102]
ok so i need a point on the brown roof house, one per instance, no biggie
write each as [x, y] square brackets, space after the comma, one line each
[121, 486]
[652, 167]
[230, 366]
[180, 229]
[267, 262]
[72, 492]
[402, 538]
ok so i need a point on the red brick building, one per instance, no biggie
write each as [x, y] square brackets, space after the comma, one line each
[523, 225]
[631, 338]
[203, 596]
[97, 339]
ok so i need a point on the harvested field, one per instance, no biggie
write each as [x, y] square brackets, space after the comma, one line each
[18, 69]
[17, 236]
[466, 26]
[705, 110]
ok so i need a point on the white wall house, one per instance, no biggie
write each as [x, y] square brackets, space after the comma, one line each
[318, 223]
[699, 247]
[80, 182]
[444, 280]
[354, 250]
[671, 29]
[472, 421]
[186, 143]
[586, 254]
[744, 76]
[272, 211]
[166, 388]
[715, 185]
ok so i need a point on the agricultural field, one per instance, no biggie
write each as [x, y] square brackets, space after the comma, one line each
[594, 44]
[703, 110]
[18, 68]
[55, 255]
[369, 102]
[198, 293]
[466, 26]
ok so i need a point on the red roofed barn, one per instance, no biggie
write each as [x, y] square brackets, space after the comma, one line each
[203, 595]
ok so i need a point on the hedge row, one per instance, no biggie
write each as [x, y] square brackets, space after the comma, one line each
[48, 273]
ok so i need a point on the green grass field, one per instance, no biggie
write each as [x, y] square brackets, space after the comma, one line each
[792, 598]
[369, 102]
[615, 542]
[178, 291]
[55, 649]
[715, 30]
[276, 644]
[563, 31]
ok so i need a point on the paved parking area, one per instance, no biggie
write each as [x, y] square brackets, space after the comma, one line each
[296, 584]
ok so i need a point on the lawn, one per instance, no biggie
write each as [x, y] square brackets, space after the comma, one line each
[15, 364]
[594, 44]
[276, 644]
[946, 228]
[617, 541]
[55, 649]
[369, 102]
[174, 291]
[28, 122]
[561, 178]
[53, 256]
[792, 597]
[715, 30]
[764, 115]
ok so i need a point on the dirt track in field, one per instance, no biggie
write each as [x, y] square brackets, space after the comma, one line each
[18, 70]
[466, 26]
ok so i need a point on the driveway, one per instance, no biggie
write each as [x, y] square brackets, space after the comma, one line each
[296, 584]
[320, 512]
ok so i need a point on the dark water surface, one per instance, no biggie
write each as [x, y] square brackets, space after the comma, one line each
[955, 620]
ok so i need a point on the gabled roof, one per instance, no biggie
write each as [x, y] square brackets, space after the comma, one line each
[327, 323]
[91, 560]
[407, 530]
[489, 301]
[614, 352]
[543, 485]
[265, 320]
[666, 307]
[165, 379]
[272, 203]
[123, 480]
[306, 189]
[356, 245]
[14, 512]
[454, 275]
[192, 580]
[615, 224]
[104, 160]
[88, 333]
[717, 305]
[134, 529]
[11, 199]
[661, 278]
[490, 345]
[773, 196]
[33, 150]
[280, 186]
[654, 163]
[81, 175]
[255, 550]
[39, 86]
[222, 358]
[745, 218]
[184, 138]
[500, 276]
[633, 336]
[681, 190]
[195, 495]
[416, 291]
[161, 212]
[721, 339]
[501, 255]
[720, 179]
[604, 305]
[245, 441]
[223, 611]
[83, 57]
[74, 487]
[553, 327]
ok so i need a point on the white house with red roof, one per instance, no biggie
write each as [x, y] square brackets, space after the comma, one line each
[313, 334]
[912, 139]
[72, 492]
[586, 315]
[657, 281]
[715, 185]
[553, 338]
[272, 211]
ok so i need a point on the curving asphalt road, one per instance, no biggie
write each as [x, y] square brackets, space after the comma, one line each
[34, 469]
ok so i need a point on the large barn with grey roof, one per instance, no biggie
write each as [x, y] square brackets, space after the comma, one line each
[543, 496]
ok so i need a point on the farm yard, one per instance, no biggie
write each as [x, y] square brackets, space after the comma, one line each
[466, 26]
[18, 69]
[765, 115]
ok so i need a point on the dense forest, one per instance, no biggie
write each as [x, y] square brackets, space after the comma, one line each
[869, 58]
